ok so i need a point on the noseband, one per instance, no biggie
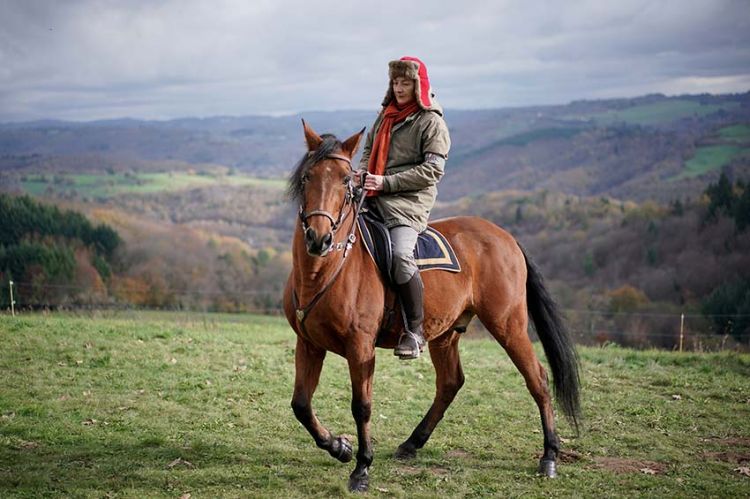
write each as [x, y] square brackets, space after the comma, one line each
[348, 199]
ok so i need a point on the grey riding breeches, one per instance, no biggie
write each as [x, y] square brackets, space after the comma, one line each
[404, 238]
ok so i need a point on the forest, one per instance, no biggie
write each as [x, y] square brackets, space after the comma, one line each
[44, 250]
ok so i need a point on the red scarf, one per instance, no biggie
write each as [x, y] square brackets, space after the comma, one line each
[379, 153]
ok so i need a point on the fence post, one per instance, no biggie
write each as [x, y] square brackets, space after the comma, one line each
[12, 303]
[682, 329]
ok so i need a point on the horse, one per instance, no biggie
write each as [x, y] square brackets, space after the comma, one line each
[335, 301]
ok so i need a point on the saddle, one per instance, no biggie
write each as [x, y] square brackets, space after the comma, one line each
[432, 252]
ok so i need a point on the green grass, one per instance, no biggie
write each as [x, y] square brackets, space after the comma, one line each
[735, 133]
[709, 158]
[661, 112]
[108, 185]
[525, 138]
[101, 406]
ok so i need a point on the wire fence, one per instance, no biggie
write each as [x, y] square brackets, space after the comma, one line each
[674, 330]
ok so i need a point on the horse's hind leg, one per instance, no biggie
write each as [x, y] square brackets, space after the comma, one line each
[511, 333]
[449, 380]
[308, 364]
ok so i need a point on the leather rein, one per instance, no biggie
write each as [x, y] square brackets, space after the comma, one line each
[353, 200]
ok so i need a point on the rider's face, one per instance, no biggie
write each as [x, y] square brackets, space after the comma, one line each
[403, 89]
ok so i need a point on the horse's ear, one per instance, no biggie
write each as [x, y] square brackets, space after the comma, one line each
[351, 144]
[313, 139]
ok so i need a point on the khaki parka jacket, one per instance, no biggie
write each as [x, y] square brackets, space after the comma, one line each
[410, 182]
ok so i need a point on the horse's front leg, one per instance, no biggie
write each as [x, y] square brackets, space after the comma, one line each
[308, 364]
[361, 369]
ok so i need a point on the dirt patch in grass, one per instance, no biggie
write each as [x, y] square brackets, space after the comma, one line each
[728, 456]
[621, 465]
[26, 445]
[438, 471]
[409, 470]
[738, 450]
[569, 456]
[733, 441]
[457, 454]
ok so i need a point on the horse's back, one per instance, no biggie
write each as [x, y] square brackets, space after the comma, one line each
[490, 257]
[475, 234]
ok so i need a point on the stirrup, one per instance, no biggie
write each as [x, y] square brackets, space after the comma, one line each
[410, 345]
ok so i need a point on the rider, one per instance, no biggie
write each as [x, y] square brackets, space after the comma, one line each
[404, 156]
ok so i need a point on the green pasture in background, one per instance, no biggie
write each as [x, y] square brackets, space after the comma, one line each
[661, 112]
[163, 405]
[106, 185]
[736, 133]
[708, 158]
[736, 141]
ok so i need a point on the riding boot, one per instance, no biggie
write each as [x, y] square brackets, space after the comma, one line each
[412, 341]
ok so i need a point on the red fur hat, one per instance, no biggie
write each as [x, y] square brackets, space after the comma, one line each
[414, 69]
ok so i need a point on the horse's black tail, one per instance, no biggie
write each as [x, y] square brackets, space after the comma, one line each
[558, 346]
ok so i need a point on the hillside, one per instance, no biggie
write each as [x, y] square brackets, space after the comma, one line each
[653, 147]
[608, 196]
[227, 248]
[649, 260]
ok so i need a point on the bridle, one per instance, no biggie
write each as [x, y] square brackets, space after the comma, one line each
[347, 203]
[354, 198]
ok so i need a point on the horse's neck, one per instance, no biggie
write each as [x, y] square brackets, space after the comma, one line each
[311, 274]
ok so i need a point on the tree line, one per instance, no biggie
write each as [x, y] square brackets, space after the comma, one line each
[43, 249]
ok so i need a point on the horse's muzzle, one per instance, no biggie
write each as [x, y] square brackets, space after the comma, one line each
[318, 246]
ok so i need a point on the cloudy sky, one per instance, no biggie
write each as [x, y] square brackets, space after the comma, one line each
[87, 59]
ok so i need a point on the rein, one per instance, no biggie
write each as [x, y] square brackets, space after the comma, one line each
[352, 195]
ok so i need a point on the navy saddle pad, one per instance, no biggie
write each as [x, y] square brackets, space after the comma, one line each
[433, 251]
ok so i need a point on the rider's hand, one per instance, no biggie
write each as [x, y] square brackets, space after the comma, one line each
[357, 178]
[374, 182]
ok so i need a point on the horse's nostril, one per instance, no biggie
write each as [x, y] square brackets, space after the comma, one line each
[310, 235]
[328, 240]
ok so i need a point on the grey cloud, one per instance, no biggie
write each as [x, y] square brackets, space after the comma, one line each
[159, 59]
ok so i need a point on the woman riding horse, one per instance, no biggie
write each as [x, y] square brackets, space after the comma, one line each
[404, 156]
[335, 298]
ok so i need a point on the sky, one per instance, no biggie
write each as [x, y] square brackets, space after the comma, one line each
[86, 60]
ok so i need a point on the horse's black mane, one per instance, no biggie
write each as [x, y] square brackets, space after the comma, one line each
[295, 186]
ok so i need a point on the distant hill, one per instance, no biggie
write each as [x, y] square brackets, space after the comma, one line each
[610, 197]
[651, 147]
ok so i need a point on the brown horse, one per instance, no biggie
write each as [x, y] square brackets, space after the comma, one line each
[335, 300]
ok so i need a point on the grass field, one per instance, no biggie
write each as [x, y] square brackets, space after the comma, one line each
[708, 158]
[661, 112]
[525, 138]
[108, 185]
[735, 133]
[162, 405]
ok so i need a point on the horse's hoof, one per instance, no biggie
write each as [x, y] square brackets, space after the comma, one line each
[405, 452]
[359, 482]
[548, 468]
[341, 449]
